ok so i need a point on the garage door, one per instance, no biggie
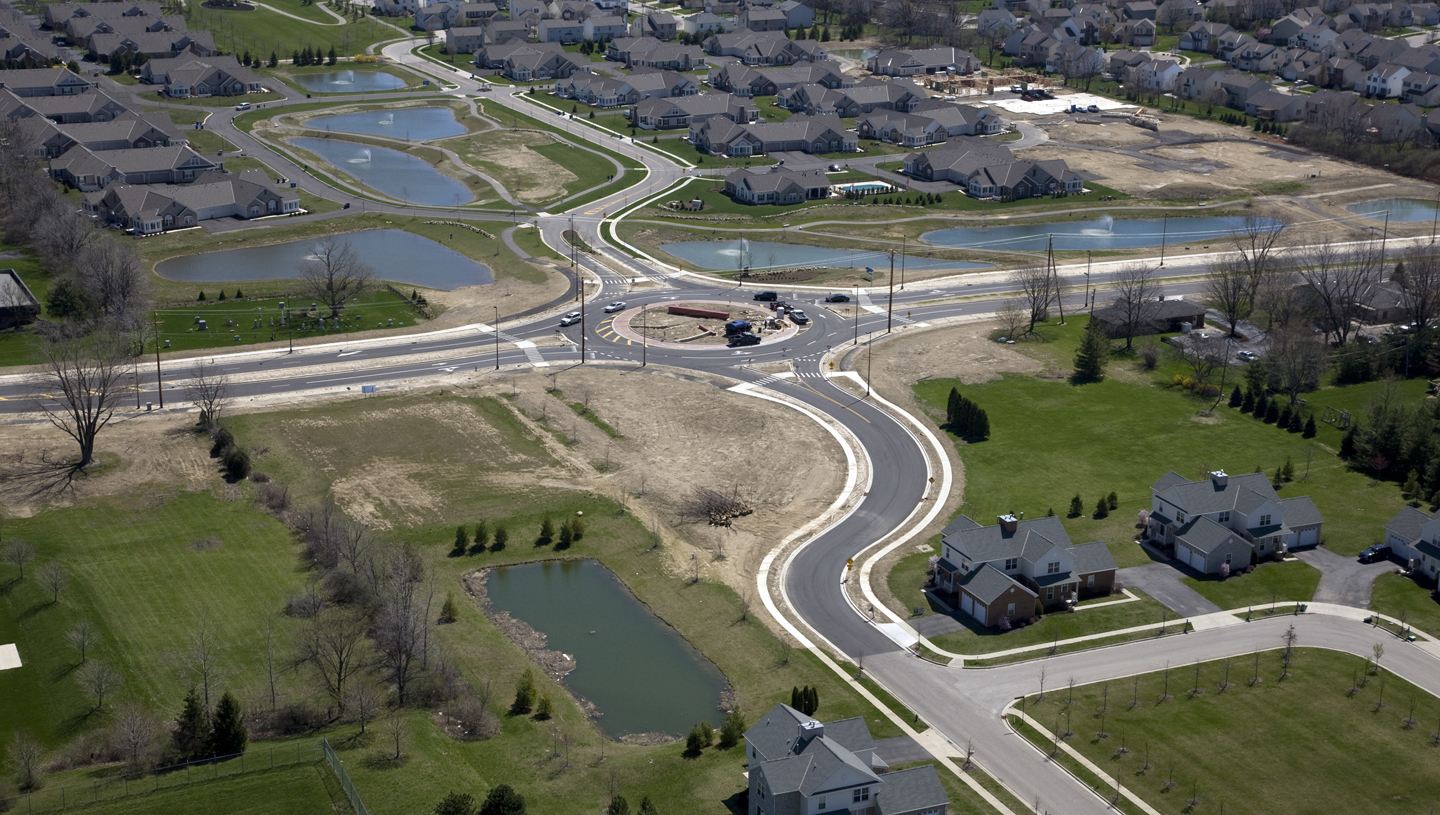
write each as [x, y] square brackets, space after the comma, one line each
[1197, 560]
[967, 605]
[1309, 537]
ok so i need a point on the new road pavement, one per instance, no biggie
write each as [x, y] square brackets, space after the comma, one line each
[964, 705]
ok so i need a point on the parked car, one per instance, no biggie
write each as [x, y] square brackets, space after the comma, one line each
[799, 318]
[834, 168]
[1380, 551]
[767, 295]
[837, 298]
[570, 319]
[1092, 109]
[744, 339]
[243, 106]
[618, 305]
[737, 327]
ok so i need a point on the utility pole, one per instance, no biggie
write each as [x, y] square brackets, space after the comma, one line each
[497, 337]
[903, 239]
[857, 314]
[890, 306]
[1164, 228]
[1384, 233]
[1055, 270]
[159, 382]
[581, 283]
[1087, 276]
[644, 334]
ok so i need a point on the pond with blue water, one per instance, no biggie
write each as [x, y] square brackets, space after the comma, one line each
[414, 124]
[393, 254]
[743, 253]
[640, 674]
[390, 172]
[1102, 233]
[1401, 210]
[348, 81]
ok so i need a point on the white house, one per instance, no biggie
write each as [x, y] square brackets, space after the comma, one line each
[1386, 80]
[1414, 536]
[1224, 519]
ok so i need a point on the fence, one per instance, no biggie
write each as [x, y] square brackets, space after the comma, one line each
[339, 769]
[55, 796]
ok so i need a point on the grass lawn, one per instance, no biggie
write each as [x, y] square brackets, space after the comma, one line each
[1291, 746]
[361, 314]
[685, 151]
[909, 574]
[976, 639]
[1403, 598]
[1290, 580]
[261, 32]
[891, 166]
[590, 169]
[1090, 440]
[529, 240]
[256, 98]
[15, 348]
[300, 788]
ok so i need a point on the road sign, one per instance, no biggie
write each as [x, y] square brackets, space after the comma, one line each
[849, 563]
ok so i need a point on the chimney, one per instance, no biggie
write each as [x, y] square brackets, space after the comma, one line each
[1008, 524]
[810, 730]
[1219, 479]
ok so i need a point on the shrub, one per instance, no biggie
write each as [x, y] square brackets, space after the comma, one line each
[1150, 354]
[524, 693]
[544, 708]
[237, 463]
[1113, 500]
[1077, 507]
[220, 440]
[732, 729]
[1102, 509]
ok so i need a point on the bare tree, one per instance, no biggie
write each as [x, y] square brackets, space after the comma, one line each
[334, 643]
[116, 278]
[1139, 301]
[335, 273]
[53, 578]
[210, 391]
[1211, 98]
[363, 700]
[24, 758]
[1227, 290]
[79, 386]
[81, 637]
[1337, 278]
[18, 553]
[1011, 318]
[1295, 361]
[134, 733]
[62, 236]
[1037, 288]
[98, 679]
[204, 657]
[395, 729]
[270, 655]
[1420, 289]
[401, 626]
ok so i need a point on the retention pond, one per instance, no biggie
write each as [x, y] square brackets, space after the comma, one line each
[390, 172]
[412, 124]
[1401, 210]
[741, 254]
[394, 255]
[349, 82]
[640, 674]
[1102, 233]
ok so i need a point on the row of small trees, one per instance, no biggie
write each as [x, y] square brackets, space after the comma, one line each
[1103, 506]
[1274, 411]
[966, 419]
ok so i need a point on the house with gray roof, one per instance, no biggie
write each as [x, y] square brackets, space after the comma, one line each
[190, 77]
[800, 765]
[764, 47]
[605, 28]
[655, 24]
[705, 23]
[90, 170]
[904, 129]
[777, 185]
[806, 134]
[155, 208]
[18, 305]
[941, 59]
[1019, 567]
[962, 120]
[683, 111]
[57, 14]
[85, 107]
[44, 82]
[1202, 520]
[1414, 537]
[561, 31]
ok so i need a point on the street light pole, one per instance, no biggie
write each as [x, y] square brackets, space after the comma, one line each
[644, 334]
[159, 382]
[903, 239]
[497, 337]
[1164, 228]
[857, 313]
[890, 306]
[1384, 234]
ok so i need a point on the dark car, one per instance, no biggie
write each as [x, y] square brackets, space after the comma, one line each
[737, 327]
[744, 339]
[837, 298]
[767, 295]
[799, 318]
[1380, 551]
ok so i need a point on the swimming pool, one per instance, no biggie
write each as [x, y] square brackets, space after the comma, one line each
[865, 187]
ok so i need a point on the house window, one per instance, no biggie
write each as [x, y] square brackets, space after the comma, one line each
[1012, 563]
[1090, 581]
[861, 794]
[1227, 558]
[1180, 517]
[1264, 520]
[1224, 517]
[1049, 592]
[1010, 610]
[821, 805]
[1053, 567]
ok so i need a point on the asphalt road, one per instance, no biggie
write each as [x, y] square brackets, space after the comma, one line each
[963, 704]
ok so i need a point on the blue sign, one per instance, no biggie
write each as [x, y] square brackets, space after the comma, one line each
[367, 388]
[869, 271]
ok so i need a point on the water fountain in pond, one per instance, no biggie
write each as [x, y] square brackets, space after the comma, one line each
[388, 120]
[1105, 226]
[346, 77]
[364, 157]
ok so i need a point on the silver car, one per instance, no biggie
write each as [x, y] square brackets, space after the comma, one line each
[570, 319]
[618, 305]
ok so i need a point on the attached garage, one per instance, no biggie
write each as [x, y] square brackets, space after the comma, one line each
[1308, 537]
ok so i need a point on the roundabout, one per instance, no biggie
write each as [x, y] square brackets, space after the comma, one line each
[630, 326]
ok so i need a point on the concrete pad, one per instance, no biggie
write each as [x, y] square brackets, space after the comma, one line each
[901, 635]
[1060, 104]
[9, 657]
[901, 750]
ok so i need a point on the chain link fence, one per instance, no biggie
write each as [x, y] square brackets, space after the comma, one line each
[56, 797]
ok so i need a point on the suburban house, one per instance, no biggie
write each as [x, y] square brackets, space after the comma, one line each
[1017, 568]
[859, 99]
[90, 170]
[561, 31]
[1275, 106]
[18, 305]
[85, 107]
[436, 16]
[806, 134]
[638, 52]
[151, 209]
[962, 120]
[656, 24]
[663, 114]
[943, 59]
[185, 77]
[57, 14]
[989, 171]
[604, 29]
[1413, 535]
[43, 82]
[764, 48]
[125, 132]
[523, 61]
[777, 185]
[904, 129]
[799, 765]
[1155, 317]
[502, 31]
[1228, 520]
[758, 18]
[745, 81]
[606, 92]
[705, 23]
[467, 39]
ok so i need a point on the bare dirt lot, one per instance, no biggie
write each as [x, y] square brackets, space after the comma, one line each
[658, 324]
[507, 158]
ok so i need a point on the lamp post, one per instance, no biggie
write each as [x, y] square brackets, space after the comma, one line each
[1164, 228]
[644, 334]
[497, 337]
[890, 305]
[857, 313]
[159, 383]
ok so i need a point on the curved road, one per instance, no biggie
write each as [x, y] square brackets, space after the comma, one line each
[962, 704]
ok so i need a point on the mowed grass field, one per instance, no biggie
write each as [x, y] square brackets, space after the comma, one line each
[262, 31]
[1299, 746]
[1051, 440]
[1292, 580]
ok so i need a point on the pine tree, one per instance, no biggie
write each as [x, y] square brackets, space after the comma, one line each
[1102, 509]
[192, 732]
[295, 58]
[1272, 413]
[547, 531]
[1050, 513]
[1310, 430]
[1295, 425]
[1236, 398]
[647, 808]
[1248, 406]
[449, 612]
[732, 729]
[274, 59]
[1283, 420]
[333, 57]
[462, 540]
[544, 708]
[1287, 472]
[952, 407]
[795, 699]
[502, 537]
[1262, 406]
[1094, 351]
[577, 527]
[1113, 500]
[456, 803]
[980, 425]
[1077, 507]
[201, 298]
[707, 733]
[524, 693]
[567, 535]
[1399, 274]
[482, 537]
[1347, 444]
[618, 806]
[245, 60]
[239, 295]
[503, 800]
[694, 742]
[230, 735]
[1411, 489]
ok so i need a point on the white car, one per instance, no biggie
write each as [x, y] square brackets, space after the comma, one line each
[570, 319]
[618, 305]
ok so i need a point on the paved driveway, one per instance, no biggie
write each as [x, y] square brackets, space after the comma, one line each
[1162, 582]
[901, 750]
[1343, 580]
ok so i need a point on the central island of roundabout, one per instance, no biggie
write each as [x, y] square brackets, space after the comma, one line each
[700, 324]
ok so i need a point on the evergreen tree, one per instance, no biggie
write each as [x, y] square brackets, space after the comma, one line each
[979, 425]
[1248, 405]
[1094, 351]
[524, 693]
[577, 527]
[1050, 513]
[1272, 413]
[1411, 488]
[1347, 444]
[332, 58]
[201, 298]
[732, 729]
[456, 803]
[229, 736]
[544, 708]
[1287, 472]
[567, 535]
[295, 58]
[1113, 500]
[1236, 398]
[449, 612]
[1102, 509]
[1399, 275]
[694, 742]
[1310, 430]
[707, 733]
[482, 537]
[647, 808]
[812, 700]
[1295, 425]
[502, 537]
[1262, 406]
[1077, 507]
[192, 729]
[503, 800]
[795, 699]
[1283, 420]
[547, 531]
[952, 406]
[274, 59]
[245, 60]
[462, 540]
[221, 298]
[618, 806]
[239, 295]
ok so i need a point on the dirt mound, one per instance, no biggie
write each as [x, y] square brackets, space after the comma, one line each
[1199, 191]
